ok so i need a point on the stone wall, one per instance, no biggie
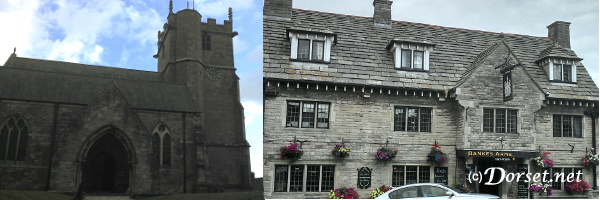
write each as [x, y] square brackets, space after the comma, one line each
[363, 124]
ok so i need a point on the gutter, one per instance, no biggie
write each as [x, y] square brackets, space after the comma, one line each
[594, 115]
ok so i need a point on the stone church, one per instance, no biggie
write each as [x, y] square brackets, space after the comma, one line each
[65, 126]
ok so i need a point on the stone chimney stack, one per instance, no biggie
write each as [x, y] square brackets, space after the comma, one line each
[382, 15]
[559, 31]
[278, 8]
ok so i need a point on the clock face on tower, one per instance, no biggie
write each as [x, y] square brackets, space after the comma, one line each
[213, 74]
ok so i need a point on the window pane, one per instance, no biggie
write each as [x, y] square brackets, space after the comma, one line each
[406, 58]
[424, 174]
[488, 120]
[398, 176]
[567, 73]
[567, 171]
[156, 147]
[3, 142]
[399, 116]
[12, 144]
[281, 178]
[557, 126]
[318, 49]
[166, 149]
[418, 58]
[512, 121]
[206, 42]
[557, 72]
[296, 178]
[303, 48]
[425, 119]
[557, 185]
[312, 178]
[411, 174]
[308, 114]
[577, 127]
[327, 180]
[500, 120]
[323, 115]
[293, 114]
[567, 123]
[22, 143]
[413, 120]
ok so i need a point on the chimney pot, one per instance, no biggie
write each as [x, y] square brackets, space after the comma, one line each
[382, 15]
[559, 31]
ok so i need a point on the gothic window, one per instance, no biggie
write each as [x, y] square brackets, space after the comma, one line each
[206, 42]
[13, 139]
[161, 144]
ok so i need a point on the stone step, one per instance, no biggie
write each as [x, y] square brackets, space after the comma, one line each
[105, 197]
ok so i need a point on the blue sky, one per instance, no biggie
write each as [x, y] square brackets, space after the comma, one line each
[123, 33]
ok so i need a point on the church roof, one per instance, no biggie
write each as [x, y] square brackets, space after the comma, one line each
[360, 56]
[71, 83]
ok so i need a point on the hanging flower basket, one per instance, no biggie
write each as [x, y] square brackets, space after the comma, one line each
[384, 154]
[590, 159]
[576, 186]
[292, 152]
[543, 161]
[341, 151]
[436, 156]
[379, 191]
[542, 188]
[344, 193]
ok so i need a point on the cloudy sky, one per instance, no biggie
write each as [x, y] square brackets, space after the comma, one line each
[123, 33]
[529, 17]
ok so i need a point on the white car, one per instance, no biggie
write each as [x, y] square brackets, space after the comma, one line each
[430, 191]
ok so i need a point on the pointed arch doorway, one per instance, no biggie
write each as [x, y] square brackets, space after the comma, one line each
[106, 167]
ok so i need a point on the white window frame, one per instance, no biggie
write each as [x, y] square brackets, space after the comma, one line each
[397, 50]
[327, 39]
[574, 65]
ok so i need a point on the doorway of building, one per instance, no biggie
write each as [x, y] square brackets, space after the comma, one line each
[105, 169]
[484, 164]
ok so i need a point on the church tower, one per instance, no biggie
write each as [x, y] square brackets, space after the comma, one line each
[199, 55]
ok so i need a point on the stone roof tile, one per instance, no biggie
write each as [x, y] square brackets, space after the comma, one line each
[361, 47]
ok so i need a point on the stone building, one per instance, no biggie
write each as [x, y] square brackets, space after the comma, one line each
[178, 130]
[487, 99]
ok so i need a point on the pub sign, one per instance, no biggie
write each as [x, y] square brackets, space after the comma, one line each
[507, 86]
[364, 178]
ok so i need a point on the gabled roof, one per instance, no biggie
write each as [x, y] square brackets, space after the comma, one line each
[360, 56]
[557, 51]
[62, 82]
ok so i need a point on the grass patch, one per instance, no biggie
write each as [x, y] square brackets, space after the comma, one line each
[212, 196]
[31, 195]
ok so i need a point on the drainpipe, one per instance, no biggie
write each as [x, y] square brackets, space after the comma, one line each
[594, 115]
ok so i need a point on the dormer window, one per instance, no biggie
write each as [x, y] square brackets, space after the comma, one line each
[410, 56]
[563, 72]
[309, 46]
[560, 70]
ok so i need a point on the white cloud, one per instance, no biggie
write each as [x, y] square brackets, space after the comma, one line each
[252, 111]
[73, 31]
